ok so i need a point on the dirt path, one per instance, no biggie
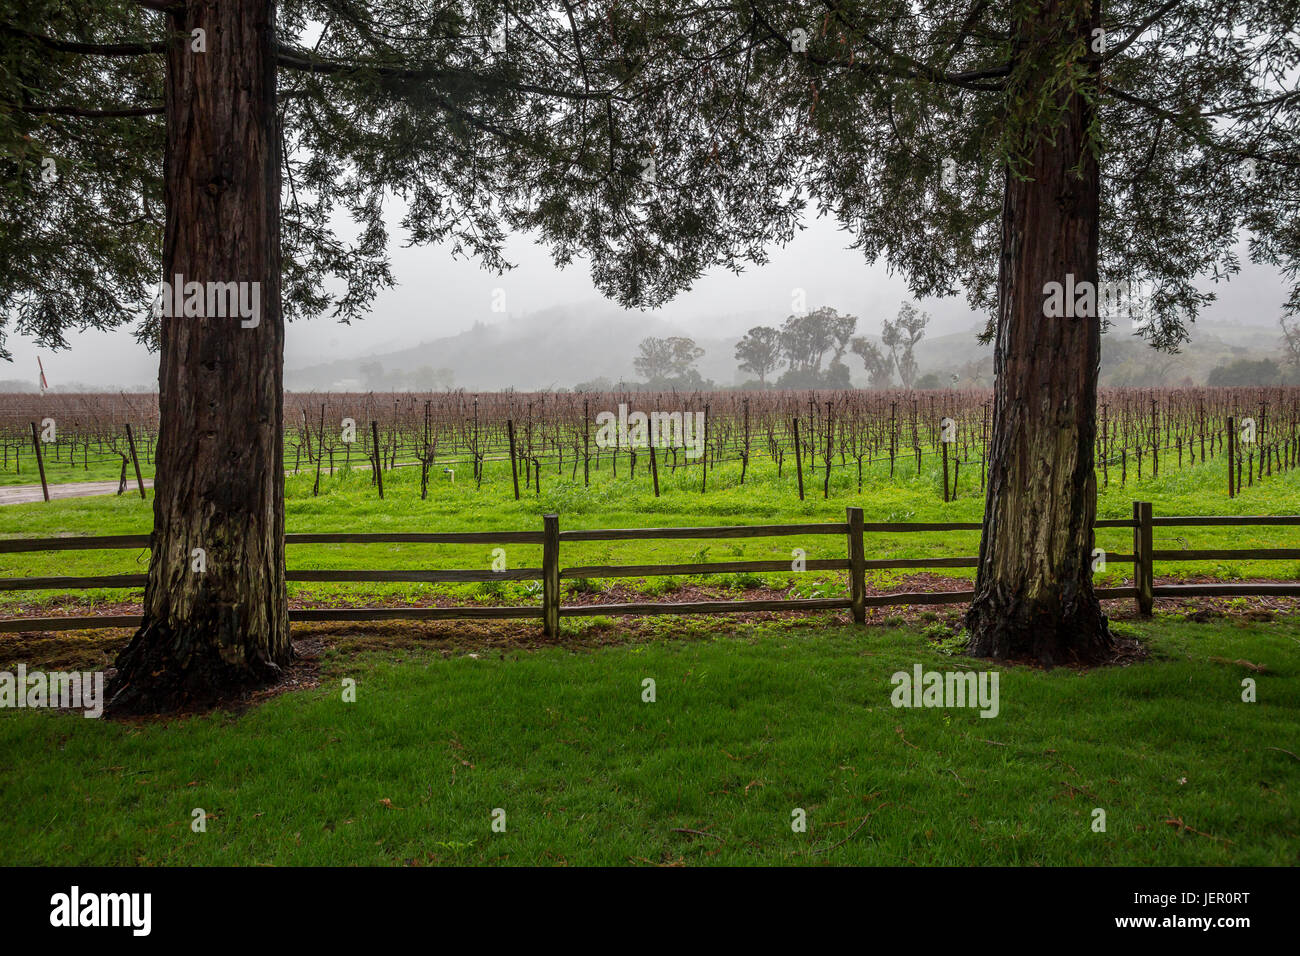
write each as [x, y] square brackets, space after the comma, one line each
[24, 494]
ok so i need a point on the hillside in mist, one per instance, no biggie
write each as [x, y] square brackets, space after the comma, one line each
[569, 346]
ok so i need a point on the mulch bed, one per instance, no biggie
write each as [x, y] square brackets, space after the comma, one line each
[96, 648]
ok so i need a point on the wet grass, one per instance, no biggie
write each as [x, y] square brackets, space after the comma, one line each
[746, 729]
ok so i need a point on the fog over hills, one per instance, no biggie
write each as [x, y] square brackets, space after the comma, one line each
[564, 347]
[557, 347]
[568, 346]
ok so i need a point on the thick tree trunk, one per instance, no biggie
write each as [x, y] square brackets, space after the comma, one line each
[210, 632]
[1033, 592]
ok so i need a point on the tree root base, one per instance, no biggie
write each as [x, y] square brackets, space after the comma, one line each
[153, 678]
[1048, 633]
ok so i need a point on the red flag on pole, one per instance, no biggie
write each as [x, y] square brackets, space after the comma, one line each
[44, 384]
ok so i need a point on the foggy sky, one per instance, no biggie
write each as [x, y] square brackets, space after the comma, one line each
[437, 296]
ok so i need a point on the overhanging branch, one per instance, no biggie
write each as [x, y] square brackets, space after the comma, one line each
[1142, 28]
[304, 61]
[1182, 119]
[138, 48]
[91, 113]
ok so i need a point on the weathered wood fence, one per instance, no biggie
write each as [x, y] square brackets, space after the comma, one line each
[854, 530]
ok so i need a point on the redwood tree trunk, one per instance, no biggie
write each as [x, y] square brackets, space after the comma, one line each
[219, 486]
[1033, 592]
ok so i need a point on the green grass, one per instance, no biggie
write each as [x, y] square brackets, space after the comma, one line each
[746, 728]
[349, 503]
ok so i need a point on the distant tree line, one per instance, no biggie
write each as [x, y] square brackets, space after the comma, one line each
[809, 349]
[375, 378]
[669, 362]
[803, 343]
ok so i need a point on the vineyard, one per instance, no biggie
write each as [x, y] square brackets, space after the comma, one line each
[828, 442]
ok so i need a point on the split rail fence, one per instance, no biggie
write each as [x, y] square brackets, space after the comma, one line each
[854, 529]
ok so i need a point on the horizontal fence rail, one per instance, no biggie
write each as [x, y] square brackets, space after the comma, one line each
[1142, 590]
[726, 531]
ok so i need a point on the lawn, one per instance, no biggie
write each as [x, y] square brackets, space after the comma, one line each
[749, 724]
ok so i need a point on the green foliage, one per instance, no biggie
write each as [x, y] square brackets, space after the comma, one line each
[819, 589]
[744, 581]
[1196, 127]
[1245, 372]
[492, 589]
[81, 202]
[945, 640]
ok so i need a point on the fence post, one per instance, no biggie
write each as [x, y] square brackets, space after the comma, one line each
[514, 468]
[654, 468]
[798, 460]
[826, 488]
[379, 461]
[1232, 435]
[551, 575]
[135, 459]
[1143, 565]
[945, 469]
[40, 462]
[857, 566]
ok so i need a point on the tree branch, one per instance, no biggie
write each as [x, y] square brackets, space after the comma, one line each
[967, 28]
[913, 71]
[1181, 119]
[302, 60]
[1141, 29]
[913, 68]
[98, 49]
[91, 113]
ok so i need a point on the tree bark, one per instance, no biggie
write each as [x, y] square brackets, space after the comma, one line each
[1033, 591]
[219, 484]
